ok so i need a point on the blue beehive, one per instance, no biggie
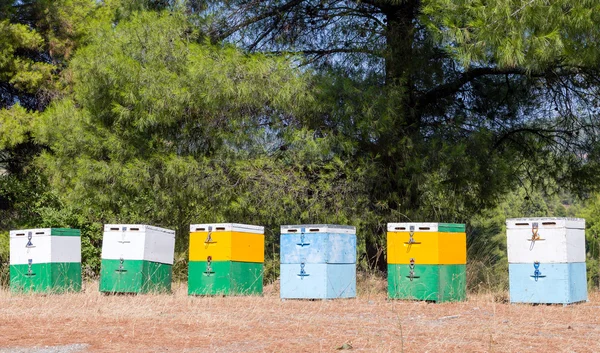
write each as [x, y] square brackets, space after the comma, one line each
[546, 260]
[318, 261]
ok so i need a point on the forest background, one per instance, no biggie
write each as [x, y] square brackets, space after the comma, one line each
[300, 112]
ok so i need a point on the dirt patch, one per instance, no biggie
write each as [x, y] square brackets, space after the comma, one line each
[370, 323]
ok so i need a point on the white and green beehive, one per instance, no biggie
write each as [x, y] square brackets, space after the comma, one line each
[45, 260]
[136, 258]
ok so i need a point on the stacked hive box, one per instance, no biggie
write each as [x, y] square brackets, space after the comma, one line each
[45, 260]
[226, 259]
[136, 259]
[427, 261]
[546, 259]
[318, 262]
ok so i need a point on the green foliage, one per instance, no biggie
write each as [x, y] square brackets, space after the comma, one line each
[4, 258]
[529, 34]
[591, 213]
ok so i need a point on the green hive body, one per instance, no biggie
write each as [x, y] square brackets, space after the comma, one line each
[46, 260]
[439, 283]
[55, 277]
[225, 278]
[135, 276]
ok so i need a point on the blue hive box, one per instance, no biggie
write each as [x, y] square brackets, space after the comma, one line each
[318, 262]
[555, 283]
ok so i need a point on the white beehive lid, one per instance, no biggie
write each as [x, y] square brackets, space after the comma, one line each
[227, 227]
[136, 228]
[545, 222]
[318, 228]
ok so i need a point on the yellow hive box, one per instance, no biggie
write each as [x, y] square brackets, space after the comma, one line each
[427, 243]
[227, 242]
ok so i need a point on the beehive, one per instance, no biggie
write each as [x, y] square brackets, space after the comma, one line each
[318, 261]
[226, 259]
[427, 261]
[45, 260]
[136, 259]
[546, 259]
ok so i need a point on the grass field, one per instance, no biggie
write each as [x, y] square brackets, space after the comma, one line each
[93, 322]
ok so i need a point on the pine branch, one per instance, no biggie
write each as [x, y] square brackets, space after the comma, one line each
[250, 21]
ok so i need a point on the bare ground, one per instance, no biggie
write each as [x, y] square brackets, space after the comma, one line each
[92, 322]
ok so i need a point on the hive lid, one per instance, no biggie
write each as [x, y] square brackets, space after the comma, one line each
[545, 222]
[136, 228]
[426, 227]
[227, 227]
[318, 228]
[41, 232]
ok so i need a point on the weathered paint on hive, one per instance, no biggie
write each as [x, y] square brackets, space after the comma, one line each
[227, 246]
[225, 278]
[318, 248]
[555, 283]
[440, 283]
[46, 277]
[547, 240]
[317, 281]
[134, 276]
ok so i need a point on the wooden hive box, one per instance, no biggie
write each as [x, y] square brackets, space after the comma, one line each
[226, 259]
[318, 261]
[136, 258]
[427, 261]
[546, 259]
[45, 260]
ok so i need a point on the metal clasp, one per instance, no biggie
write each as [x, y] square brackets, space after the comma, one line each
[302, 273]
[535, 236]
[411, 267]
[537, 273]
[123, 241]
[209, 270]
[29, 271]
[209, 239]
[302, 243]
[411, 239]
[121, 269]
[29, 244]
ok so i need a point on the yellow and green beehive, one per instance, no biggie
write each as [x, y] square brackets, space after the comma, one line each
[226, 259]
[45, 260]
[427, 261]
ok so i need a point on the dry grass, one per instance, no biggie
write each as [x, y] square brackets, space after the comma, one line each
[178, 323]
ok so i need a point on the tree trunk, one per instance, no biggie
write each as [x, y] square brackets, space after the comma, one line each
[400, 67]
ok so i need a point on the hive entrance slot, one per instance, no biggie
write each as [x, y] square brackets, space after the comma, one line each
[313, 230]
[200, 229]
[292, 230]
[114, 229]
[521, 224]
[424, 228]
[39, 232]
[548, 223]
[134, 229]
[400, 228]
[20, 234]
[220, 228]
